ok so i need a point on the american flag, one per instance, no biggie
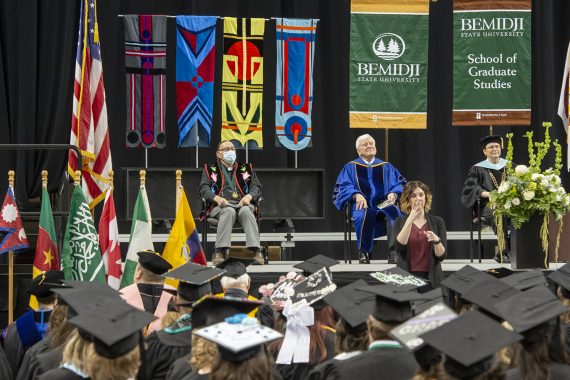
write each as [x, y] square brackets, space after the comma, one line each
[564, 104]
[89, 129]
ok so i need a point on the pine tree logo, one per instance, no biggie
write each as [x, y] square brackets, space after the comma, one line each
[389, 46]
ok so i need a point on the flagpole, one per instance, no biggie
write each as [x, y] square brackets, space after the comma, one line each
[142, 176]
[11, 175]
[178, 186]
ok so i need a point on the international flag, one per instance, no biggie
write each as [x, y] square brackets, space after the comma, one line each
[12, 234]
[89, 129]
[109, 242]
[183, 243]
[81, 258]
[564, 104]
[141, 237]
[46, 257]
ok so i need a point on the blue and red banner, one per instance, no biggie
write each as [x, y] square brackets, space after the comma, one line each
[195, 63]
[12, 234]
[294, 85]
[145, 64]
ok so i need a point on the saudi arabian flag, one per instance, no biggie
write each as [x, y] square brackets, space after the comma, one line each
[140, 239]
[81, 258]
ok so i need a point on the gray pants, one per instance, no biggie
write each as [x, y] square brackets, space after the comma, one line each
[227, 217]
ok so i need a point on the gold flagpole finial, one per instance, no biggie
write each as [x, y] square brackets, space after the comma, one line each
[77, 177]
[142, 175]
[11, 176]
[44, 179]
[111, 175]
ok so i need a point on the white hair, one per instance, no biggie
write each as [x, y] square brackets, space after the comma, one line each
[242, 282]
[363, 137]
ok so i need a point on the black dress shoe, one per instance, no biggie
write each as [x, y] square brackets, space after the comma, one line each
[363, 257]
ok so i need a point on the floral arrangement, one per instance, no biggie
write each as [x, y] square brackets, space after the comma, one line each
[528, 190]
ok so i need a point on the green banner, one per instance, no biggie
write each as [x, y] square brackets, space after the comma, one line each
[491, 66]
[388, 67]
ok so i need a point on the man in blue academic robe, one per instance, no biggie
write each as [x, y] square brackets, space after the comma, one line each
[371, 186]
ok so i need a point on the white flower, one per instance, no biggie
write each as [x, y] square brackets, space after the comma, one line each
[536, 176]
[558, 198]
[516, 201]
[552, 189]
[556, 179]
[521, 170]
[507, 205]
[504, 187]
[528, 195]
[544, 182]
[567, 200]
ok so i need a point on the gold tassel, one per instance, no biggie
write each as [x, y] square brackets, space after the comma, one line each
[544, 238]
[500, 233]
[560, 227]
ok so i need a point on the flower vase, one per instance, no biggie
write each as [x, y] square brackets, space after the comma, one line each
[526, 246]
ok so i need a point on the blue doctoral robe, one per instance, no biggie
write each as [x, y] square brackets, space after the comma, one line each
[374, 182]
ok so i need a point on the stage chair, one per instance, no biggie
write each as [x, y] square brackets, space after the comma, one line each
[347, 233]
[212, 225]
[475, 223]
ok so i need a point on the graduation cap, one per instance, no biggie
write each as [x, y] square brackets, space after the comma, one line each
[469, 342]
[399, 277]
[432, 297]
[393, 305]
[239, 340]
[353, 306]
[211, 309]
[491, 139]
[408, 333]
[152, 261]
[487, 293]
[43, 284]
[526, 279]
[499, 272]
[194, 280]
[313, 289]
[464, 278]
[530, 309]
[315, 263]
[82, 299]
[235, 266]
[114, 327]
[562, 278]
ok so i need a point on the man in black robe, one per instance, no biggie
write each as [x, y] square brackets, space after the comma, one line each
[5, 369]
[31, 327]
[483, 178]
[175, 341]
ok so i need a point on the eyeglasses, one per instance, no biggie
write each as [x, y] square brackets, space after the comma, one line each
[491, 147]
[228, 149]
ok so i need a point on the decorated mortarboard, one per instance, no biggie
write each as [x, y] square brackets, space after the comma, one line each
[393, 304]
[432, 298]
[408, 333]
[316, 263]
[491, 139]
[279, 292]
[152, 261]
[526, 279]
[313, 288]
[531, 308]
[211, 309]
[81, 299]
[239, 337]
[43, 284]
[194, 280]
[400, 278]
[562, 278]
[114, 327]
[487, 293]
[469, 341]
[235, 266]
[464, 278]
[352, 305]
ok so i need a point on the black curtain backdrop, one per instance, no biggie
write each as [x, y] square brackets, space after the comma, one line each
[37, 62]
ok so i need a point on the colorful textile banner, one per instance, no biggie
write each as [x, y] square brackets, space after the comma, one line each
[195, 64]
[491, 62]
[81, 258]
[388, 64]
[12, 234]
[145, 64]
[46, 257]
[294, 84]
[564, 104]
[242, 81]
[89, 127]
[109, 242]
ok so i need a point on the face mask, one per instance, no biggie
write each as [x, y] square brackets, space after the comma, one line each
[230, 156]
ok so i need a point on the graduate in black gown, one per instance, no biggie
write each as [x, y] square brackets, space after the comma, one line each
[31, 327]
[175, 341]
[561, 279]
[106, 345]
[483, 178]
[385, 358]
[5, 369]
